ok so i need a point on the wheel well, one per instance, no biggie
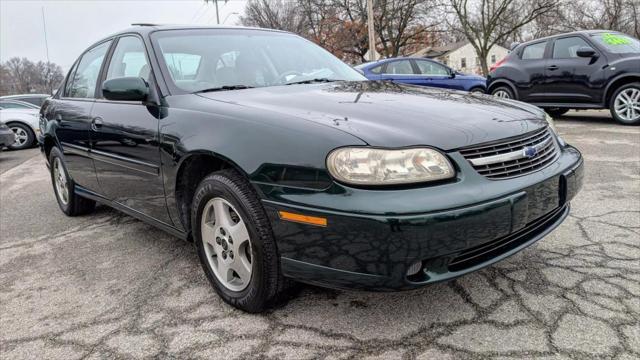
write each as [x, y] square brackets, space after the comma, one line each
[21, 123]
[497, 84]
[48, 145]
[191, 172]
[617, 84]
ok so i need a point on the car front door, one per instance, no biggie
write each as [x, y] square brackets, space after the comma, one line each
[437, 75]
[532, 63]
[570, 78]
[125, 140]
[72, 115]
[400, 71]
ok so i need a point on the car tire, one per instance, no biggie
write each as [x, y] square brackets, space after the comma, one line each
[64, 188]
[25, 137]
[224, 202]
[623, 98]
[477, 90]
[556, 112]
[503, 92]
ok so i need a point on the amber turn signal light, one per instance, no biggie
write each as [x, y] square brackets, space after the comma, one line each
[304, 219]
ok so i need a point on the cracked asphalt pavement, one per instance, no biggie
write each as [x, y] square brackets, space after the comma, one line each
[109, 286]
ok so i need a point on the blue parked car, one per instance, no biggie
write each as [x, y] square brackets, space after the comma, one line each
[420, 71]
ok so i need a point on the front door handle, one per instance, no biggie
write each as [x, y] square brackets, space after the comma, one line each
[552, 67]
[96, 124]
[58, 118]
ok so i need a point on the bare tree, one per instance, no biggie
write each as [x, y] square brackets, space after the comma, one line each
[617, 15]
[20, 75]
[486, 23]
[274, 14]
[402, 26]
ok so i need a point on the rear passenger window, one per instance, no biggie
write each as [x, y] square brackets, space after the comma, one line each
[83, 82]
[534, 51]
[377, 69]
[568, 47]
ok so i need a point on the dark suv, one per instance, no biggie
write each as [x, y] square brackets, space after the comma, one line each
[579, 70]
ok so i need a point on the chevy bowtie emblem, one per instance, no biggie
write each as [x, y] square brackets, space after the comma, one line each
[529, 151]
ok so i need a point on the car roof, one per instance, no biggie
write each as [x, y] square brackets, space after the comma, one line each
[145, 29]
[383, 61]
[580, 32]
[18, 96]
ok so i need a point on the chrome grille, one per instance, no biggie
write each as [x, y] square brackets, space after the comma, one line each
[514, 157]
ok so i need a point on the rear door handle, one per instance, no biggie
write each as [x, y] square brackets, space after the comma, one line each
[96, 124]
[552, 67]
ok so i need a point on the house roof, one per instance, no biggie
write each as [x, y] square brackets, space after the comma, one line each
[436, 51]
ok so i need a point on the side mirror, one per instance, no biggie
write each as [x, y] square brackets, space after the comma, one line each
[586, 52]
[452, 73]
[126, 89]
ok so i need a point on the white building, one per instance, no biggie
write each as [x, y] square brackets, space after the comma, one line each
[462, 56]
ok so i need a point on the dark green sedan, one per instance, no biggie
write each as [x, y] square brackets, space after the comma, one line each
[280, 162]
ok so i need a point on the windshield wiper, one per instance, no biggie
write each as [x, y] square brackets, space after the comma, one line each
[224, 88]
[309, 81]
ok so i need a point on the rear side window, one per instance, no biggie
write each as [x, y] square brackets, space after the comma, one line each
[534, 51]
[129, 59]
[377, 69]
[567, 48]
[83, 82]
[431, 68]
[402, 67]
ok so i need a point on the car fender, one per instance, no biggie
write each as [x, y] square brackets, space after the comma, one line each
[608, 89]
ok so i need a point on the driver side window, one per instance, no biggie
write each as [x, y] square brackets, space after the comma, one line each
[129, 59]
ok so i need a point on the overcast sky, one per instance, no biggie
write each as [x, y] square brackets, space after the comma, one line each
[74, 25]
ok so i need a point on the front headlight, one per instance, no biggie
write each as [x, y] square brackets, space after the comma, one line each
[551, 122]
[367, 166]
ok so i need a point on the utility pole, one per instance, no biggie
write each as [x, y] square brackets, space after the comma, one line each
[372, 53]
[46, 46]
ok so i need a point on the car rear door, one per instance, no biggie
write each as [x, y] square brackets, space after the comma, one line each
[570, 78]
[125, 139]
[401, 71]
[72, 115]
[437, 75]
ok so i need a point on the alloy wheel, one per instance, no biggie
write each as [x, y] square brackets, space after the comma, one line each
[627, 104]
[60, 181]
[502, 94]
[21, 136]
[227, 244]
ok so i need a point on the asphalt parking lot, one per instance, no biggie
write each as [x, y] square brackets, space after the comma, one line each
[106, 285]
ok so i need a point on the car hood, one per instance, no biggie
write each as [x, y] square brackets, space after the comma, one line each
[383, 113]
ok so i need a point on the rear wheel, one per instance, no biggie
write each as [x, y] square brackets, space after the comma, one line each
[625, 104]
[235, 243]
[64, 188]
[24, 136]
[503, 92]
[556, 112]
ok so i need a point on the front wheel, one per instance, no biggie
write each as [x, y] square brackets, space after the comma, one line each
[503, 92]
[477, 90]
[234, 241]
[625, 104]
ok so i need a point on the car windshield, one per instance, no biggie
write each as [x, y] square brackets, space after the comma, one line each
[618, 43]
[232, 59]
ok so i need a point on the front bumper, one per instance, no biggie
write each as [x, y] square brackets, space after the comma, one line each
[466, 225]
